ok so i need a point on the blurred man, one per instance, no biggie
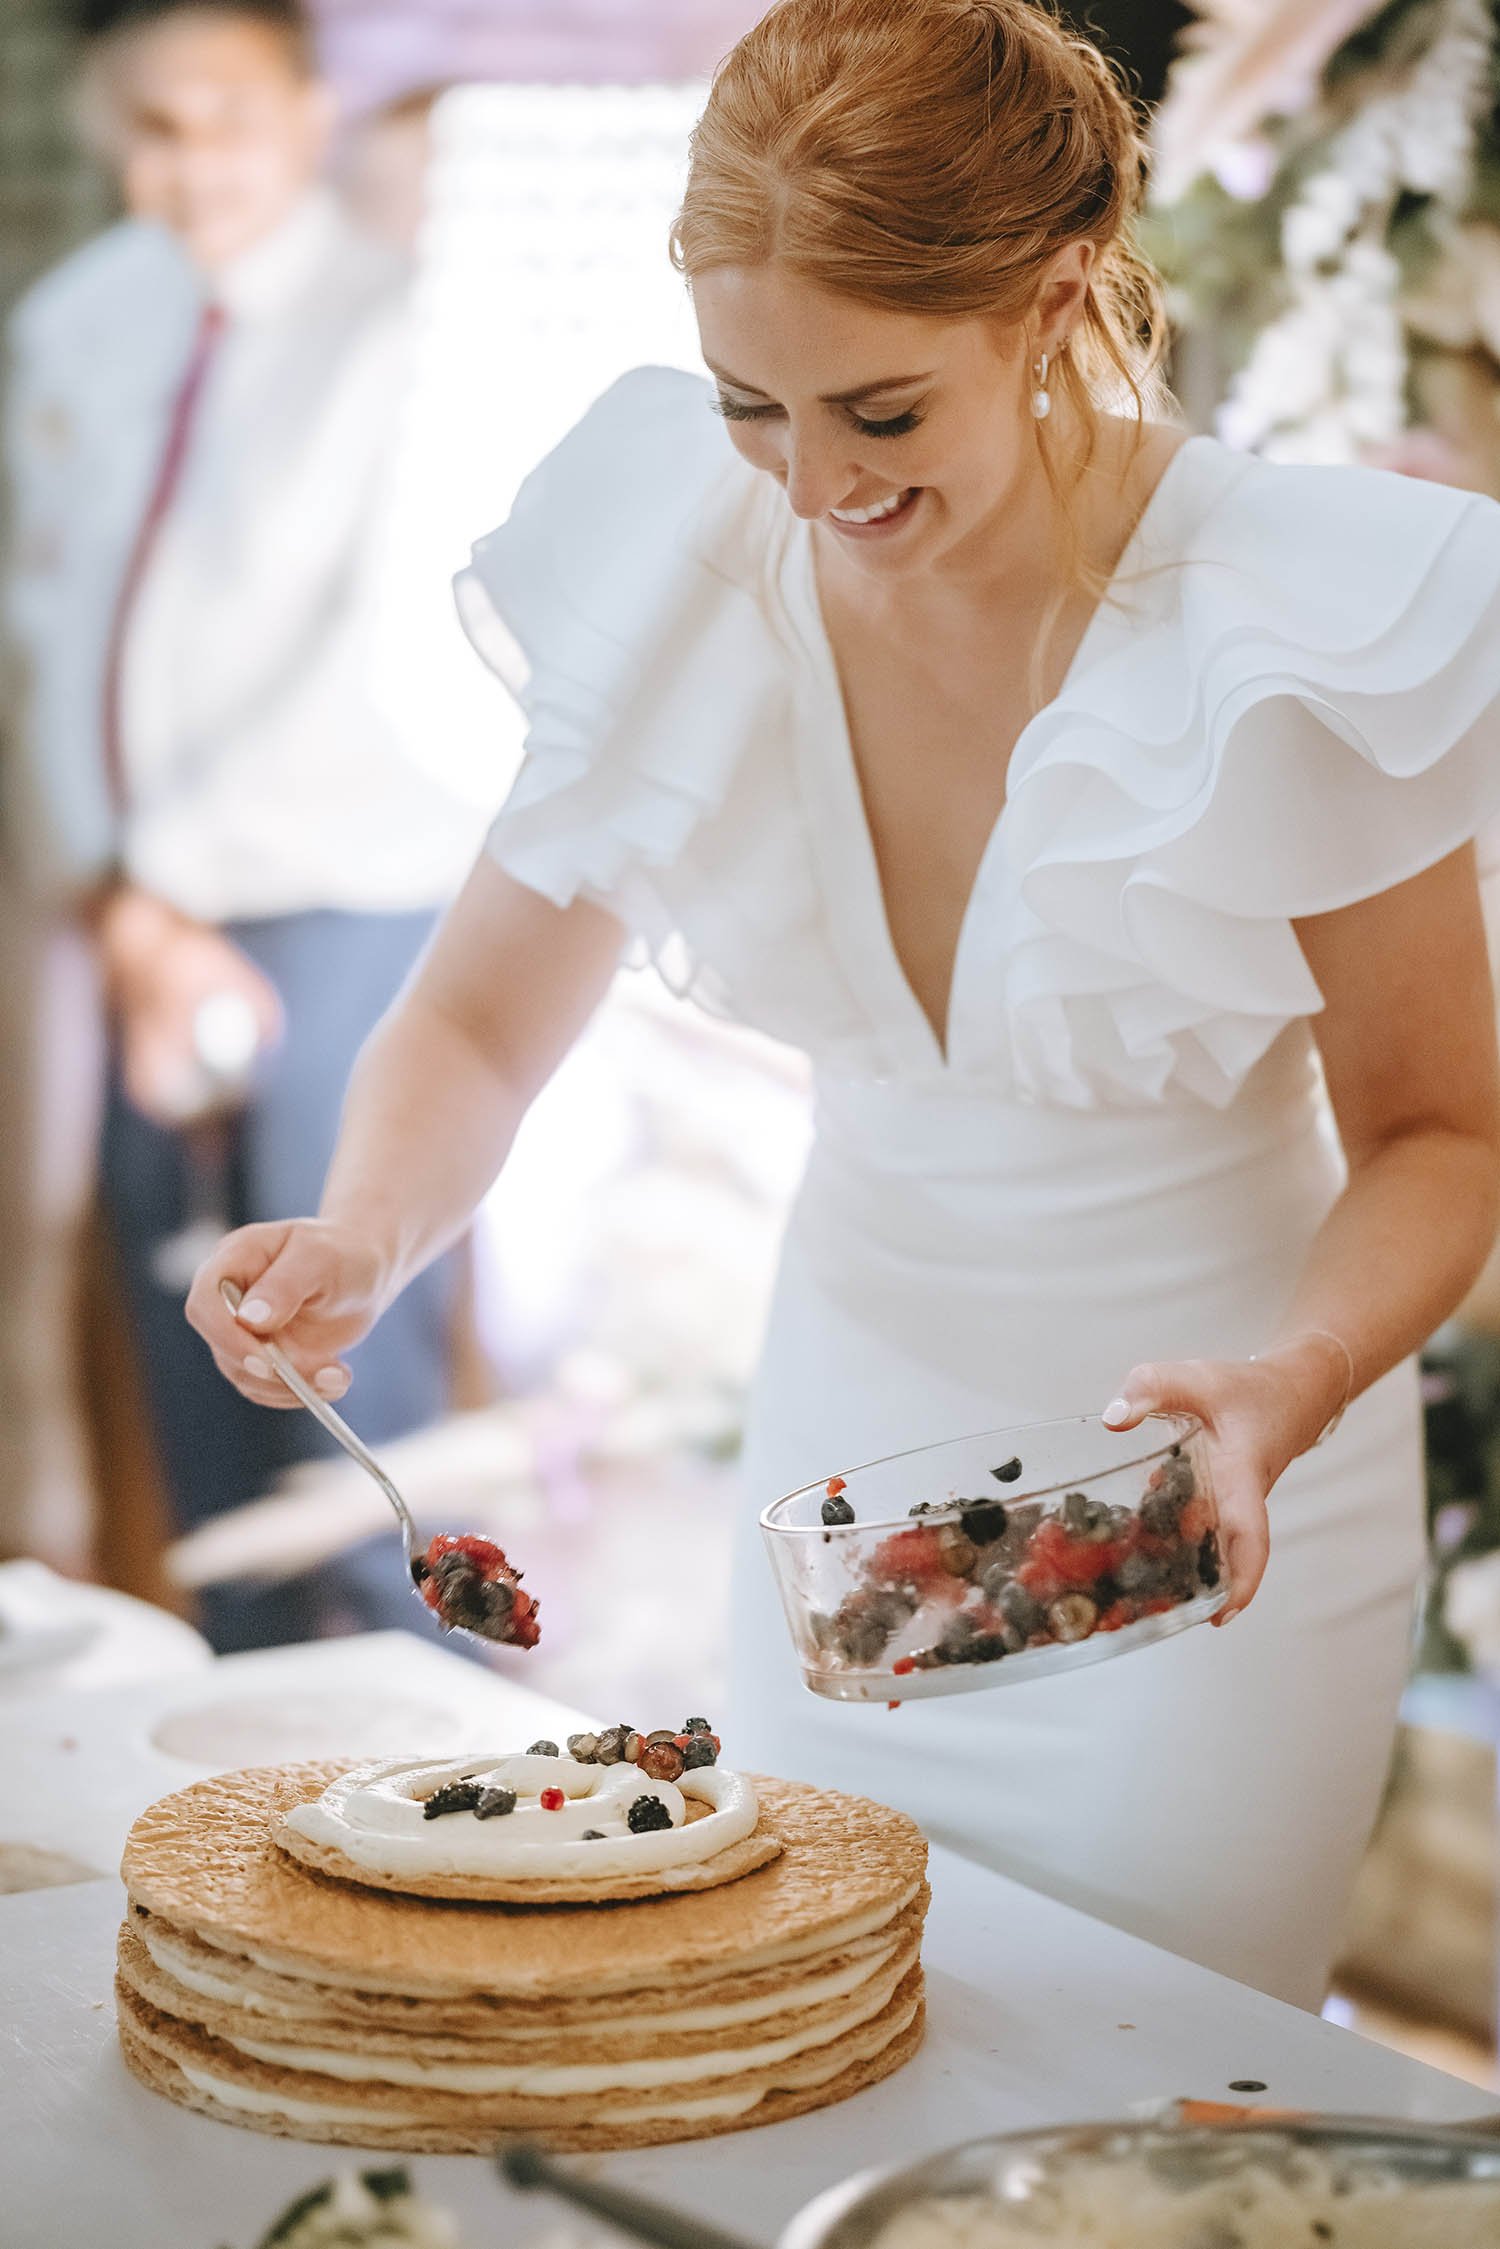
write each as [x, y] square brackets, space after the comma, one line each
[204, 403]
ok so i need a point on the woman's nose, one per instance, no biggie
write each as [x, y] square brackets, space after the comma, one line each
[817, 478]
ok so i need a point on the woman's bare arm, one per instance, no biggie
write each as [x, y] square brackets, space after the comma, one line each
[1407, 1038]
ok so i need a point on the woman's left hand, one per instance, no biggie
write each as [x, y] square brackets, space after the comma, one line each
[1258, 1415]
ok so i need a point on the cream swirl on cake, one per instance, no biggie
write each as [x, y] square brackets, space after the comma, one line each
[610, 1829]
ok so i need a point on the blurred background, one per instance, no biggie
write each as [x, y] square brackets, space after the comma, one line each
[291, 306]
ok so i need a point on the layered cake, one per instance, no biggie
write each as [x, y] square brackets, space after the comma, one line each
[610, 1946]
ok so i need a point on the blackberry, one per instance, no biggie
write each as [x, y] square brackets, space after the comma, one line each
[956, 1638]
[494, 1803]
[1140, 1575]
[646, 1815]
[696, 1726]
[1161, 1511]
[454, 1796]
[837, 1510]
[984, 1521]
[988, 1647]
[700, 1751]
[543, 1749]
[497, 1597]
[1009, 1472]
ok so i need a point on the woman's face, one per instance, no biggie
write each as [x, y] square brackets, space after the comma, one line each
[905, 437]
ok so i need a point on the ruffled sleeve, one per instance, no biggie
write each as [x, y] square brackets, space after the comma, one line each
[609, 604]
[1307, 716]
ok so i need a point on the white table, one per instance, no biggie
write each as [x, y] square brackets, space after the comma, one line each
[1038, 2013]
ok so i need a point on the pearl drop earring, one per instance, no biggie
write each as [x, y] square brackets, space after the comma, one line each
[1041, 397]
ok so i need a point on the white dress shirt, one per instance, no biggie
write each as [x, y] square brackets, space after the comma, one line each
[265, 771]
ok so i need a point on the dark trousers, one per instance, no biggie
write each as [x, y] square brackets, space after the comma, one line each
[336, 973]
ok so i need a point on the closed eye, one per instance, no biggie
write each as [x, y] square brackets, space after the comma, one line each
[737, 410]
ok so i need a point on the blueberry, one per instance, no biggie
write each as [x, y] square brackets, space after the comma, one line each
[1208, 1560]
[984, 1521]
[1009, 1472]
[700, 1751]
[1019, 1608]
[647, 1814]
[494, 1803]
[837, 1510]
[543, 1749]
[592, 1835]
[1160, 1513]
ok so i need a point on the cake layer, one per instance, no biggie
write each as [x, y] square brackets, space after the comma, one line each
[336, 2123]
[205, 1860]
[620, 2048]
[268, 1995]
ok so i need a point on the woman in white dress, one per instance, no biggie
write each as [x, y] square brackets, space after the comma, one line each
[1094, 806]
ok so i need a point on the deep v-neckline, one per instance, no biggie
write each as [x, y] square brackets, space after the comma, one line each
[856, 899]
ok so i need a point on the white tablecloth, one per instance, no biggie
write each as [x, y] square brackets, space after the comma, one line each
[1037, 2012]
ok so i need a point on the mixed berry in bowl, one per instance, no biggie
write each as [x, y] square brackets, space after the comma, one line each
[997, 1558]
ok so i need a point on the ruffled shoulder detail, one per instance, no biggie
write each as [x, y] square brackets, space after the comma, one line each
[617, 604]
[1295, 709]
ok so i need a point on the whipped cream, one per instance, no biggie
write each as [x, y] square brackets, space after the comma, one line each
[374, 1816]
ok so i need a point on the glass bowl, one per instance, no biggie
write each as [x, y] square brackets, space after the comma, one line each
[993, 1559]
[1372, 2183]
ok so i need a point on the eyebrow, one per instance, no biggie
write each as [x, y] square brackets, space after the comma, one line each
[831, 398]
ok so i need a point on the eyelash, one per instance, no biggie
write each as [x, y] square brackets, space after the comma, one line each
[899, 425]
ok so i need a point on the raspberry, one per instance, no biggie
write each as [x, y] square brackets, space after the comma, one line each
[1195, 1522]
[1117, 1616]
[836, 1485]
[913, 1557]
[552, 1799]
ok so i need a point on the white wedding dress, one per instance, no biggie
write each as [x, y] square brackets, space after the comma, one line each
[1287, 704]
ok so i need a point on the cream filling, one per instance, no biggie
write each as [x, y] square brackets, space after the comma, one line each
[373, 1815]
[778, 1956]
[258, 2102]
[564, 2081]
[174, 1963]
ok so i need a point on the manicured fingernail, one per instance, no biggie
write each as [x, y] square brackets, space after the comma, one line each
[255, 1312]
[330, 1378]
[1118, 1409]
[259, 1367]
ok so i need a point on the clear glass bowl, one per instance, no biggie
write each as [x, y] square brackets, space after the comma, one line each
[997, 1558]
[1358, 2179]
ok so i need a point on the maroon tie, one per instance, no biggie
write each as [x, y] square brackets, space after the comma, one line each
[163, 488]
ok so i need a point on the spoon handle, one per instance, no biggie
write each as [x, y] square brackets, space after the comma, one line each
[319, 1408]
[525, 2166]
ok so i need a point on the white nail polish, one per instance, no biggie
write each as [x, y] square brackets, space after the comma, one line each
[1117, 1410]
[259, 1367]
[256, 1312]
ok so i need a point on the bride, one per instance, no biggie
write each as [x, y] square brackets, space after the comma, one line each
[1094, 806]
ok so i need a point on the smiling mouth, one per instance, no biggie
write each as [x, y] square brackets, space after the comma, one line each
[877, 516]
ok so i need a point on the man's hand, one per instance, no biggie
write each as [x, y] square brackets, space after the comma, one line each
[168, 980]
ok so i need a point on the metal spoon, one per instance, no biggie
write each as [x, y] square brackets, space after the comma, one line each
[339, 1429]
[525, 2166]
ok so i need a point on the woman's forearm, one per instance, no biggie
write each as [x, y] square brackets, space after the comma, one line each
[428, 1121]
[1394, 1257]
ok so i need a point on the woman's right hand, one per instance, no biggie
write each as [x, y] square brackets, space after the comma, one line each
[315, 1286]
